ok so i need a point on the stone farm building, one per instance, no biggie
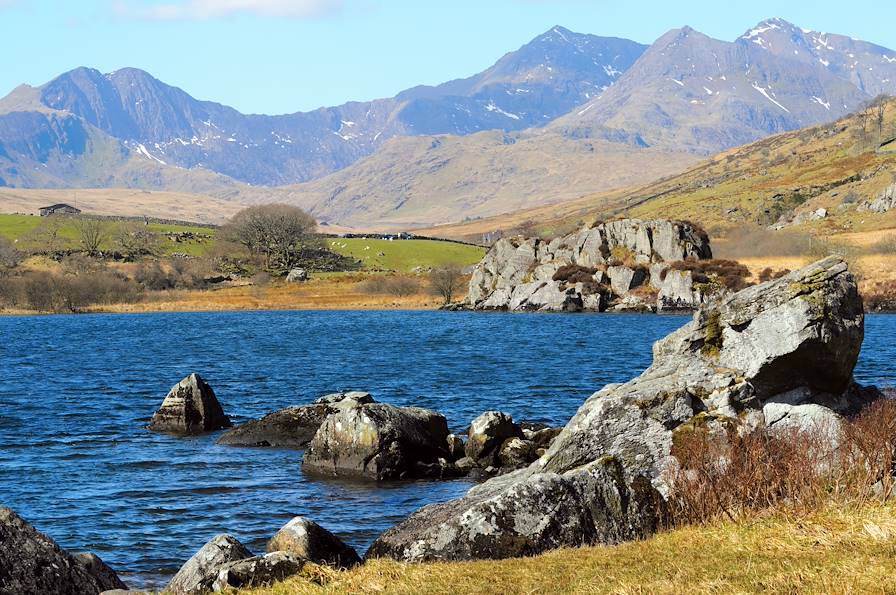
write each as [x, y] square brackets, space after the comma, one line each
[60, 209]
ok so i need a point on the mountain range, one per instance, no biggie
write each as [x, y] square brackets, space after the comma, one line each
[564, 115]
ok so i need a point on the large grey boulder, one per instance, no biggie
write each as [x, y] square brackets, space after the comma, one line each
[378, 441]
[794, 340]
[525, 514]
[306, 539]
[884, 201]
[517, 274]
[257, 571]
[200, 572]
[31, 562]
[297, 276]
[191, 407]
[623, 279]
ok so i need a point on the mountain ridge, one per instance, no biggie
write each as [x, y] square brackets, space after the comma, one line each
[620, 113]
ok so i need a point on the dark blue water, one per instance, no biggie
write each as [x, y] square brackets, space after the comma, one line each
[76, 391]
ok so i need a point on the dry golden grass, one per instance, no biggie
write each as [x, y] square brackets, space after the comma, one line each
[335, 292]
[123, 202]
[833, 551]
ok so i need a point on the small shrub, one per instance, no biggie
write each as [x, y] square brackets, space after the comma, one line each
[573, 273]
[767, 274]
[396, 286]
[620, 255]
[725, 471]
[728, 273]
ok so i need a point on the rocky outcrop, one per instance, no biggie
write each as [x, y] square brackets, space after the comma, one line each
[378, 441]
[200, 572]
[257, 571]
[608, 262]
[31, 562]
[794, 340]
[190, 408]
[306, 539]
[885, 201]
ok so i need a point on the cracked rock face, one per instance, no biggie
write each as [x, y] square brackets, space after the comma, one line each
[257, 571]
[377, 441]
[793, 341]
[31, 562]
[191, 407]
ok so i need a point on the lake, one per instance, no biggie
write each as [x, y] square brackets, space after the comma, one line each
[77, 391]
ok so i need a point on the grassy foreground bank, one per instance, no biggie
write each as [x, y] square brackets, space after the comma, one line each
[838, 550]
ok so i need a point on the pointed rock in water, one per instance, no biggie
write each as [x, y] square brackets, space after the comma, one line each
[306, 539]
[31, 562]
[257, 571]
[378, 441]
[200, 572]
[486, 435]
[794, 341]
[190, 408]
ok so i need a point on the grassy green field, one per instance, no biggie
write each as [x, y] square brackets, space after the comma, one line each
[17, 227]
[399, 255]
[406, 255]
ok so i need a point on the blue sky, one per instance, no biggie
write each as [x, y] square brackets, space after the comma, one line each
[279, 56]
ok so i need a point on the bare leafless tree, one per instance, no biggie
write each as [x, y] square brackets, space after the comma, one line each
[92, 234]
[278, 232]
[48, 235]
[446, 282]
[134, 240]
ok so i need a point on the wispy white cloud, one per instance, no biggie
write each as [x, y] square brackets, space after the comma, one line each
[209, 9]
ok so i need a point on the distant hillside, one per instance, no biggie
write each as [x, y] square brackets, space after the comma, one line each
[686, 97]
[821, 179]
[419, 181]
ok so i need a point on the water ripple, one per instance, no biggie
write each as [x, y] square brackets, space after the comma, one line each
[77, 392]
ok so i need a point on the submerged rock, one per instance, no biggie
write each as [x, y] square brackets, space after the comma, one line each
[293, 427]
[306, 539]
[378, 441]
[794, 340]
[190, 408]
[31, 562]
[200, 572]
[257, 571]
